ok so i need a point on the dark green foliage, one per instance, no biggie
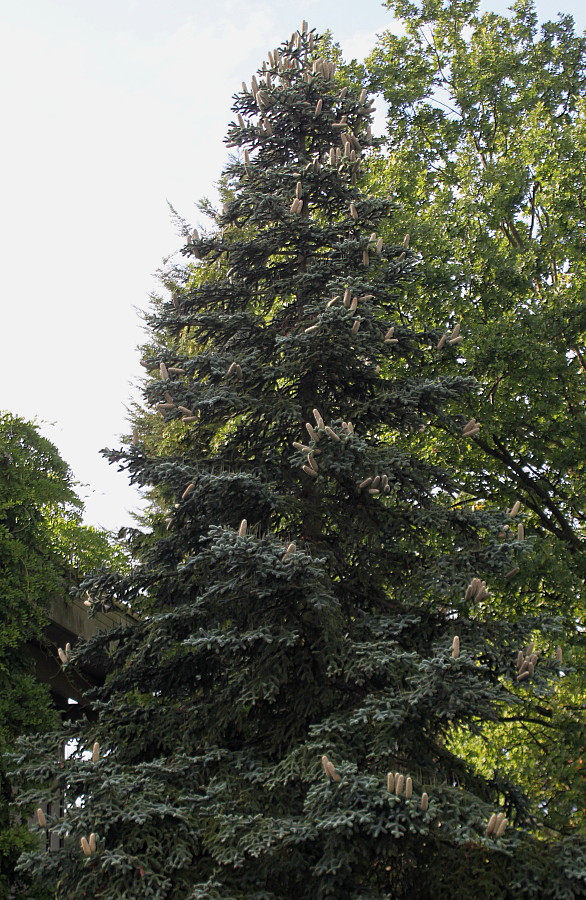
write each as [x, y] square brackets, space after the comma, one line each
[34, 481]
[254, 660]
[42, 545]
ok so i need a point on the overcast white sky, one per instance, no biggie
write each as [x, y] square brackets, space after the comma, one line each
[109, 109]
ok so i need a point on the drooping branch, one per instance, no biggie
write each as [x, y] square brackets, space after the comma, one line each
[532, 490]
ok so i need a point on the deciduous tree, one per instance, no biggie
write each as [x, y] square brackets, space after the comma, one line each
[485, 160]
[42, 547]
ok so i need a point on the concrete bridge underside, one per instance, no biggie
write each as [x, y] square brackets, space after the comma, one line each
[69, 623]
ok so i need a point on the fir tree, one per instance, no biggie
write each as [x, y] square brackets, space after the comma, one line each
[314, 613]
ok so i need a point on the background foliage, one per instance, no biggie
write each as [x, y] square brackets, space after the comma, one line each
[43, 549]
[485, 159]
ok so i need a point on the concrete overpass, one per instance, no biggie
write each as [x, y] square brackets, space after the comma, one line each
[69, 623]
